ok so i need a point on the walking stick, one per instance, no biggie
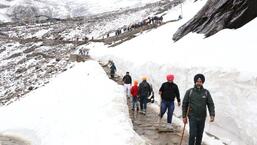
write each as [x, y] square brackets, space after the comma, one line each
[184, 127]
[159, 121]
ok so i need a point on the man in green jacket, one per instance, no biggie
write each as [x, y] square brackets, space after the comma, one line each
[194, 107]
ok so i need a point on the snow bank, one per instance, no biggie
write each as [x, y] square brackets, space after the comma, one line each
[81, 106]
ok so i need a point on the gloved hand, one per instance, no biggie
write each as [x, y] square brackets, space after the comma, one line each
[185, 120]
[212, 119]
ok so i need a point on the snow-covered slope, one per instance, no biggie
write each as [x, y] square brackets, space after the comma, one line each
[81, 106]
[25, 9]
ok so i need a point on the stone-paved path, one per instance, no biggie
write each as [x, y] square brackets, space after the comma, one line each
[10, 140]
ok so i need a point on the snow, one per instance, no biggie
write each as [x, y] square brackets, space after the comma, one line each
[227, 59]
[71, 8]
[100, 6]
[39, 34]
[4, 18]
[72, 110]
[84, 115]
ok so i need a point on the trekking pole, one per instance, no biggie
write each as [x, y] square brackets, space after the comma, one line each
[184, 127]
[159, 121]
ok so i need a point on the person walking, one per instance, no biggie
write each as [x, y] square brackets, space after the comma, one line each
[127, 84]
[134, 94]
[144, 91]
[112, 68]
[194, 106]
[150, 99]
[168, 91]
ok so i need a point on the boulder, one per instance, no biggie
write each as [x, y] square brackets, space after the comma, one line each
[217, 15]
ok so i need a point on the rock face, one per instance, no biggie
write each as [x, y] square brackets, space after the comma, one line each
[24, 13]
[217, 15]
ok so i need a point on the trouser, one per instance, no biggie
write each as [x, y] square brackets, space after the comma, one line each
[143, 103]
[134, 102]
[112, 72]
[167, 105]
[196, 128]
[127, 89]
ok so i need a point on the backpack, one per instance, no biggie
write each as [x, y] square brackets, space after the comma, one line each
[145, 89]
[191, 91]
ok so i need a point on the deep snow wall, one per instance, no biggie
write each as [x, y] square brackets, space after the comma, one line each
[233, 92]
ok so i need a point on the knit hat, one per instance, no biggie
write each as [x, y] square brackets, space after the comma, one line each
[144, 78]
[199, 76]
[170, 77]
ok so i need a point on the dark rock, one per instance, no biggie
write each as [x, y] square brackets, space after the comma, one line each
[14, 55]
[39, 53]
[21, 70]
[30, 88]
[2, 50]
[22, 61]
[217, 15]
[3, 6]
[29, 50]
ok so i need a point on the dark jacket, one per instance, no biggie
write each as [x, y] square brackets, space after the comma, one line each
[144, 89]
[113, 68]
[127, 79]
[169, 91]
[198, 99]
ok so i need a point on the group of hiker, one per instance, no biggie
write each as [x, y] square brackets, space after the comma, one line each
[84, 51]
[194, 104]
[142, 93]
[150, 20]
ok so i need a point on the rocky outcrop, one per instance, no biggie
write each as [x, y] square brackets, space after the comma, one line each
[217, 15]
[24, 13]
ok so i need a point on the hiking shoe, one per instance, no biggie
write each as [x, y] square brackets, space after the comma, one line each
[144, 112]
[141, 112]
[169, 126]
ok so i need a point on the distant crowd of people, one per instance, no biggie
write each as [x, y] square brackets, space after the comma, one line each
[147, 21]
[84, 52]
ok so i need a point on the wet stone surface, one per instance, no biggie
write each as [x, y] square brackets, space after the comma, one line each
[10, 140]
[147, 126]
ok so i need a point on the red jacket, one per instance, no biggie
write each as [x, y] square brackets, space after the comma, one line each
[134, 91]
